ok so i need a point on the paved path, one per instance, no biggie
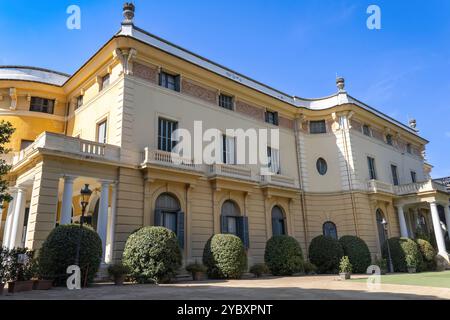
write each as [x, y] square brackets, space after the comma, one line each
[289, 288]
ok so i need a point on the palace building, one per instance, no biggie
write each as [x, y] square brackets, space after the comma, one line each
[341, 167]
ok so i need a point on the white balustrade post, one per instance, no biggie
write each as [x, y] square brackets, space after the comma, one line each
[102, 223]
[9, 219]
[17, 220]
[438, 230]
[112, 224]
[447, 217]
[66, 210]
[402, 222]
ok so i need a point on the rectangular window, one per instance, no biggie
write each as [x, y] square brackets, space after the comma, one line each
[273, 156]
[169, 81]
[228, 150]
[101, 132]
[166, 128]
[389, 139]
[226, 101]
[104, 82]
[42, 105]
[372, 170]
[408, 148]
[25, 144]
[316, 127]
[413, 176]
[394, 172]
[272, 117]
[79, 102]
[366, 130]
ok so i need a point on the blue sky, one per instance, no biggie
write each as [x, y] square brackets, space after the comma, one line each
[295, 46]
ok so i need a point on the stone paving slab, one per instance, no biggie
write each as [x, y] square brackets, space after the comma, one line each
[271, 288]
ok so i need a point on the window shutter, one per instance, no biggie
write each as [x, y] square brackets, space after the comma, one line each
[180, 228]
[266, 114]
[177, 84]
[243, 231]
[224, 224]
[159, 218]
[276, 118]
[160, 78]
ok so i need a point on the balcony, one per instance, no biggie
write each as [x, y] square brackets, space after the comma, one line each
[279, 180]
[61, 144]
[231, 171]
[167, 159]
[376, 186]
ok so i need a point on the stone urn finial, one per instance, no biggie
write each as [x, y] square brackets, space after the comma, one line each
[340, 83]
[413, 124]
[128, 13]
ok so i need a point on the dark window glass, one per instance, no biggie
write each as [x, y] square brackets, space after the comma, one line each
[366, 130]
[42, 105]
[394, 175]
[380, 227]
[79, 102]
[322, 166]
[166, 140]
[105, 82]
[316, 127]
[272, 117]
[25, 144]
[168, 214]
[330, 230]
[408, 148]
[413, 176]
[389, 140]
[226, 101]
[372, 170]
[278, 222]
[169, 81]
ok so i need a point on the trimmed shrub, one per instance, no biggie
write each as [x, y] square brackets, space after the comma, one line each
[325, 253]
[309, 268]
[259, 269]
[225, 257]
[59, 251]
[401, 248]
[283, 256]
[428, 255]
[152, 254]
[358, 253]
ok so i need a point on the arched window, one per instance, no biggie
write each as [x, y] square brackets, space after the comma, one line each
[233, 223]
[330, 230]
[278, 222]
[380, 227]
[168, 214]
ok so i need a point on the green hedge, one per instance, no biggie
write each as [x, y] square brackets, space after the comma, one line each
[225, 257]
[325, 253]
[428, 255]
[403, 250]
[59, 251]
[152, 254]
[358, 253]
[283, 256]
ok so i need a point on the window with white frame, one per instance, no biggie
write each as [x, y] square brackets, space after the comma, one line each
[169, 81]
[102, 132]
[372, 170]
[79, 102]
[394, 172]
[228, 149]
[226, 101]
[366, 130]
[166, 138]
[272, 117]
[104, 81]
[42, 105]
[316, 127]
[273, 156]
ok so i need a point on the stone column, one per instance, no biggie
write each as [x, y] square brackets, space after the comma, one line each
[438, 230]
[109, 258]
[102, 223]
[66, 208]
[9, 219]
[17, 220]
[402, 222]
[447, 217]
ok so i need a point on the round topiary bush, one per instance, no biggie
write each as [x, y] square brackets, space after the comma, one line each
[225, 257]
[152, 254]
[358, 253]
[404, 252]
[428, 255]
[283, 256]
[325, 253]
[59, 251]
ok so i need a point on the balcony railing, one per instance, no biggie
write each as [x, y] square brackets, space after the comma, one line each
[232, 171]
[404, 189]
[69, 145]
[279, 180]
[168, 159]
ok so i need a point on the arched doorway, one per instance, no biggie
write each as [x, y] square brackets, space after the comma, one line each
[233, 222]
[168, 214]
[278, 222]
[380, 227]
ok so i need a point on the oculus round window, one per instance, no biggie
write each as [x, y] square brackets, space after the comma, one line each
[322, 166]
